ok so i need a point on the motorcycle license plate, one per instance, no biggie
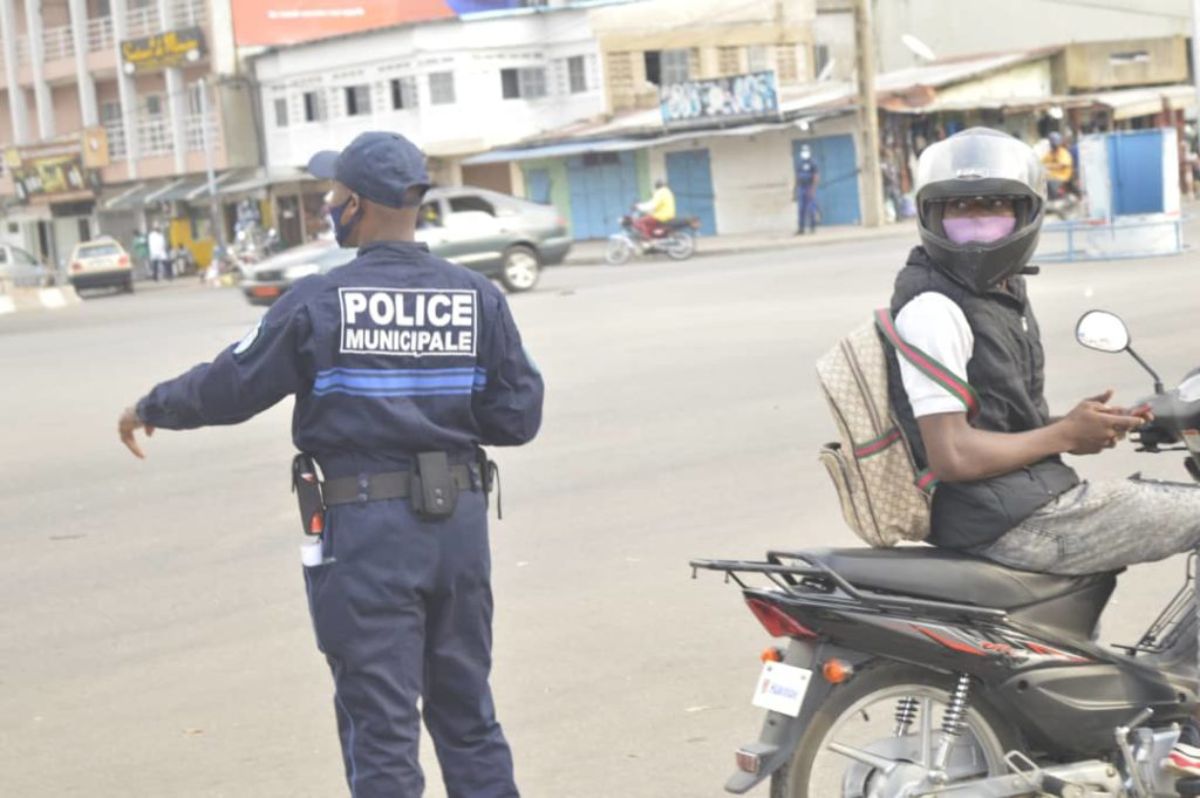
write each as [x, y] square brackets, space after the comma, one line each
[781, 688]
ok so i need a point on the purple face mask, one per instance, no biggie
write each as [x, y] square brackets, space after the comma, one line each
[982, 229]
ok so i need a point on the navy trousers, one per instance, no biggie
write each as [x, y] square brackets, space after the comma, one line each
[402, 609]
[806, 210]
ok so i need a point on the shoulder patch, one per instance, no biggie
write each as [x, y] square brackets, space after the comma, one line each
[248, 340]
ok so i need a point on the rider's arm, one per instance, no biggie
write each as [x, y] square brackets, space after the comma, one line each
[958, 452]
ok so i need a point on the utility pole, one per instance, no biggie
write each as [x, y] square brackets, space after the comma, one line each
[214, 205]
[864, 61]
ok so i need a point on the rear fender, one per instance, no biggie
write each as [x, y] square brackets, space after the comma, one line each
[780, 733]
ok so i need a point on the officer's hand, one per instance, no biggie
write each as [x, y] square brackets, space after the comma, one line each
[127, 424]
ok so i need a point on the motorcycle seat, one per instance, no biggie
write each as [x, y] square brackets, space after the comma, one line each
[945, 575]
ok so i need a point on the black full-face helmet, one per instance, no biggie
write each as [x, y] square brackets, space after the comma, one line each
[987, 164]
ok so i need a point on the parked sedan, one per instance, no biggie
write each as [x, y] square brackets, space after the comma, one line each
[506, 238]
[503, 237]
[269, 279]
[21, 268]
[101, 263]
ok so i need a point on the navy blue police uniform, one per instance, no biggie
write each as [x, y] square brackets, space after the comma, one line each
[806, 195]
[394, 354]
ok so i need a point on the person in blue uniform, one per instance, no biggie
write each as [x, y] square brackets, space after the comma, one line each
[808, 177]
[402, 365]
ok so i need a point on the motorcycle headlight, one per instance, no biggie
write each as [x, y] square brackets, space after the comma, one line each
[301, 270]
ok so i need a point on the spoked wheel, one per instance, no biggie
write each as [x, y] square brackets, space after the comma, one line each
[619, 250]
[681, 245]
[856, 747]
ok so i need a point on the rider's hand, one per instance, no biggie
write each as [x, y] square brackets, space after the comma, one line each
[127, 424]
[1093, 425]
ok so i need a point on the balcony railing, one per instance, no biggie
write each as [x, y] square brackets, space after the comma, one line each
[23, 58]
[100, 34]
[143, 22]
[154, 137]
[186, 13]
[193, 126]
[116, 139]
[57, 43]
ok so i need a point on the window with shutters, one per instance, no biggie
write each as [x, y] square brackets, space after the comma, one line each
[787, 69]
[441, 88]
[404, 93]
[729, 60]
[358, 100]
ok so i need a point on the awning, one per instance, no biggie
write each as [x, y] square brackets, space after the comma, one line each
[1129, 103]
[561, 149]
[257, 179]
[568, 148]
[131, 197]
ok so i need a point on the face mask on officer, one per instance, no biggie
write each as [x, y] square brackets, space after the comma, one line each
[341, 227]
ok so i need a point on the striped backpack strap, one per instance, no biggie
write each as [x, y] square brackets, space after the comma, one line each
[925, 364]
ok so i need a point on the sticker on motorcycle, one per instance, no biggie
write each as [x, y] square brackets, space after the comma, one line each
[781, 688]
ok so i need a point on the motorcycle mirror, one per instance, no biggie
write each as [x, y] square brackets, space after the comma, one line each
[1106, 332]
[1102, 331]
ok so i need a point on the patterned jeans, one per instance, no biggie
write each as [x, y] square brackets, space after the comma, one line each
[1103, 526]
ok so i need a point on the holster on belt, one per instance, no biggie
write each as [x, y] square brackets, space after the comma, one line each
[433, 493]
[307, 487]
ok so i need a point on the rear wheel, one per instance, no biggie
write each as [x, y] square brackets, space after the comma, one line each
[127, 286]
[619, 250]
[862, 715]
[521, 269]
[681, 245]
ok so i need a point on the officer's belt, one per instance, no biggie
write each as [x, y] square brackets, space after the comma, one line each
[387, 485]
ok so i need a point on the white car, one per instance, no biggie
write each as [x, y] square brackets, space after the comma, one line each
[101, 263]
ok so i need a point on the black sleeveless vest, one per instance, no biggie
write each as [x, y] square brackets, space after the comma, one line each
[1007, 372]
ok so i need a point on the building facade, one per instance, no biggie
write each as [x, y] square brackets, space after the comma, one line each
[111, 113]
[457, 87]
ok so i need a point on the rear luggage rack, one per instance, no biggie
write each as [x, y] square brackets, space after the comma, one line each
[809, 582]
[1177, 619]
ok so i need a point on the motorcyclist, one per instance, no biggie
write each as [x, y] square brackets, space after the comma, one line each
[1060, 166]
[656, 211]
[982, 426]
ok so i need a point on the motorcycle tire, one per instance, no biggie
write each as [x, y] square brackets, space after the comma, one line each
[879, 683]
[618, 252]
[681, 245]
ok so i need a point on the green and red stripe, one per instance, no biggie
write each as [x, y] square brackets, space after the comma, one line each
[877, 445]
[926, 481]
[926, 365]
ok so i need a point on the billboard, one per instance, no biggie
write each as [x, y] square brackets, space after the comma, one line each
[699, 102]
[62, 168]
[281, 22]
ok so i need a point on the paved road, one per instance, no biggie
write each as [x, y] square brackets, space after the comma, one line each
[154, 638]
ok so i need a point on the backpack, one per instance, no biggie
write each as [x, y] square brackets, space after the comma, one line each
[885, 497]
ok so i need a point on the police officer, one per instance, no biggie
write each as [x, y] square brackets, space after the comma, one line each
[402, 365]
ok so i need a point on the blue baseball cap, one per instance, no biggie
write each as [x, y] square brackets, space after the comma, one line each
[378, 166]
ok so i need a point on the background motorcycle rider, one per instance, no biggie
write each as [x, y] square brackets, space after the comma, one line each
[1060, 166]
[1004, 492]
[658, 210]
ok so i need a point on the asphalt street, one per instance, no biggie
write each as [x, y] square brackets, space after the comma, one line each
[154, 637]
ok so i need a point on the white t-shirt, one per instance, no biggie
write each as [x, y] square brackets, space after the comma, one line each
[933, 323]
[156, 243]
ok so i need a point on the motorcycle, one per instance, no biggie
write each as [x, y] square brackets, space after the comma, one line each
[676, 238]
[917, 671]
[1063, 202]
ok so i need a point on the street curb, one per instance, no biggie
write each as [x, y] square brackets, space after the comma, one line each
[771, 244]
[18, 299]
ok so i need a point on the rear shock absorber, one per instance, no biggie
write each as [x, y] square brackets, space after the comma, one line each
[906, 713]
[953, 722]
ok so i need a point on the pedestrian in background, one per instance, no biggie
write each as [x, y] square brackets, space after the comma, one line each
[808, 176]
[157, 244]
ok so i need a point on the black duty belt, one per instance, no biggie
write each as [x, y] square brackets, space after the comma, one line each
[388, 485]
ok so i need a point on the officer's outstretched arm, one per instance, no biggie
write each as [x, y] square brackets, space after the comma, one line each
[509, 408]
[269, 363]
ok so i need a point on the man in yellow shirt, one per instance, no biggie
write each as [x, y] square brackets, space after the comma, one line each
[658, 210]
[1060, 166]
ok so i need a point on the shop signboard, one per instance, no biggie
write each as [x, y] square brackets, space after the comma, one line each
[176, 48]
[64, 168]
[704, 102]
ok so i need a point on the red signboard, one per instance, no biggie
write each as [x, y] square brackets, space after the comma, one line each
[274, 22]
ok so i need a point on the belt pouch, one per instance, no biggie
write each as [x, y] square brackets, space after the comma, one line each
[433, 494]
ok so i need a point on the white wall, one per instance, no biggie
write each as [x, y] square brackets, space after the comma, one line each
[753, 175]
[474, 50]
